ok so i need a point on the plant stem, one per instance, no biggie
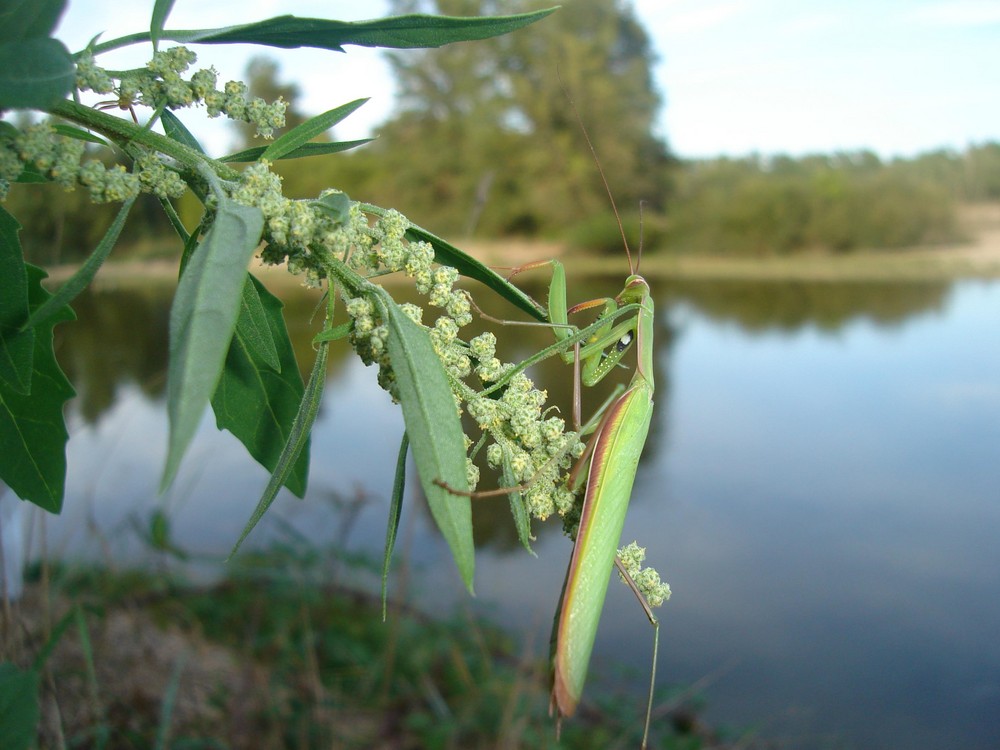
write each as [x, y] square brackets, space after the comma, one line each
[123, 132]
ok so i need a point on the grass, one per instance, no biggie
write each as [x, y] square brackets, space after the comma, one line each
[270, 658]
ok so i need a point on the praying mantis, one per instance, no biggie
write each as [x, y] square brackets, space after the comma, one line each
[619, 431]
[605, 471]
[609, 468]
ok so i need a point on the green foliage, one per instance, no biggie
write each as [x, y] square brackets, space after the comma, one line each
[203, 319]
[260, 389]
[435, 434]
[758, 206]
[16, 342]
[293, 661]
[18, 706]
[486, 141]
[401, 32]
[35, 70]
[295, 443]
[33, 433]
[228, 342]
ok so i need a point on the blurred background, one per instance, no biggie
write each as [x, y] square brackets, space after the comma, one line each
[820, 222]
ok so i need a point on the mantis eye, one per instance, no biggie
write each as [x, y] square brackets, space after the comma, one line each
[624, 342]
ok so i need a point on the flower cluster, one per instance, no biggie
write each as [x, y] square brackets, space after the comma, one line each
[524, 443]
[161, 84]
[646, 580]
[59, 159]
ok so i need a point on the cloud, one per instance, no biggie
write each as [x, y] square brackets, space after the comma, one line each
[704, 17]
[961, 13]
[811, 23]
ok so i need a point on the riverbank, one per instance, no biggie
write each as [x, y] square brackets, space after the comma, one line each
[978, 257]
[266, 659]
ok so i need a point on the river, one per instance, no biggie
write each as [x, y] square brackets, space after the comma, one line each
[820, 487]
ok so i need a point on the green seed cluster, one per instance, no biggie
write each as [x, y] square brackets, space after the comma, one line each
[525, 444]
[162, 84]
[646, 579]
[58, 158]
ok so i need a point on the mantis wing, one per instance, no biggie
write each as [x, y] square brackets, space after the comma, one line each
[619, 443]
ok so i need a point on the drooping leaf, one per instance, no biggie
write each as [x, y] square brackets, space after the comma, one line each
[25, 19]
[173, 128]
[395, 510]
[34, 73]
[32, 429]
[18, 707]
[447, 254]
[399, 32]
[258, 402]
[202, 320]
[298, 438]
[305, 150]
[85, 274]
[305, 132]
[434, 430]
[16, 345]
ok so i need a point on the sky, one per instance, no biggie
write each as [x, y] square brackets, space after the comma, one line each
[898, 77]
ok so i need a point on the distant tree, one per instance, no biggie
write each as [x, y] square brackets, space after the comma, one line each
[982, 172]
[486, 138]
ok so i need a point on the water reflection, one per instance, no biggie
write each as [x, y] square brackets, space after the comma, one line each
[819, 488]
[791, 305]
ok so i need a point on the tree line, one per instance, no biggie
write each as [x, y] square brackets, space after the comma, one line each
[492, 140]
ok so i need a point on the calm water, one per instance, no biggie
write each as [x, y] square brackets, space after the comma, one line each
[820, 487]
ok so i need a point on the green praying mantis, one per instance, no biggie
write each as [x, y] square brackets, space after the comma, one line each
[608, 467]
[618, 432]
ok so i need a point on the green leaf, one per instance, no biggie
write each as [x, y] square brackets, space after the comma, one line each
[17, 346]
[175, 130]
[32, 429]
[522, 520]
[202, 320]
[447, 254]
[18, 707]
[34, 73]
[399, 32]
[254, 328]
[79, 134]
[334, 333]
[161, 9]
[434, 430]
[31, 174]
[314, 126]
[79, 280]
[336, 205]
[24, 19]
[395, 511]
[305, 150]
[298, 438]
[258, 402]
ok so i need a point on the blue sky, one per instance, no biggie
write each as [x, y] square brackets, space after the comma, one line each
[738, 76]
